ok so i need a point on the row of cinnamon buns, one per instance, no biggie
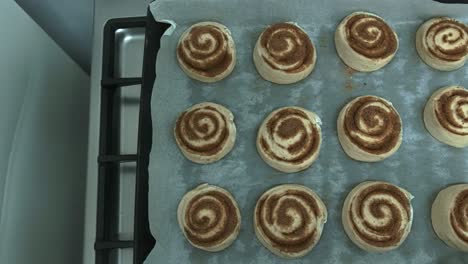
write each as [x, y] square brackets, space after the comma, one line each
[289, 139]
[289, 219]
[285, 54]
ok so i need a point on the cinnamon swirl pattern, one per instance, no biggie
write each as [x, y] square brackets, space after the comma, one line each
[450, 216]
[284, 54]
[442, 43]
[289, 139]
[377, 216]
[205, 132]
[289, 220]
[446, 116]
[369, 129]
[365, 42]
[209, 217]
[206, 52]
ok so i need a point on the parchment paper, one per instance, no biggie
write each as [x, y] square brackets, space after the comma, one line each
[422, 165]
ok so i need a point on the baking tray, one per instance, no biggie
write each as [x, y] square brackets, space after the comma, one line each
[333, 174]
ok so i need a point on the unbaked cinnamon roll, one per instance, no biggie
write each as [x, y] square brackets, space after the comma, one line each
[369, 129]
[205, 132]
[289, 139]
[377, 216]
[442, 43]
[284, 54]
[446, 116]
[206, 52]
[365, 42]
[209, 217]
[289, 220]
[450, 216]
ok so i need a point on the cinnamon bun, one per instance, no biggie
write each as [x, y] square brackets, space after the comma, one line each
[289, 139]
[369, 129]
[209, 217]
[289, 220]
[450, 216]
[377, 216]
[284, 53]
[442, 43]
[446, 116]
[205, 132]
[206, 52]
[365, 42]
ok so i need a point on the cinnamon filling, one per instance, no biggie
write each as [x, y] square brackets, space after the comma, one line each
[459, 216]
[205, 50]
[287, 124]
[447, 40]
[370, 36]
[289, 48]
[391, 232]
[276, 214]
[190, 130]
[450, 114]
[207, 231]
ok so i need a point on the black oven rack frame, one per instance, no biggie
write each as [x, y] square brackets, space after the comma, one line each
[110, 157]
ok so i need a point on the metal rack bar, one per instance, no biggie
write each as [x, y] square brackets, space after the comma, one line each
[100, 245]
[117, 158]
[120, 82]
